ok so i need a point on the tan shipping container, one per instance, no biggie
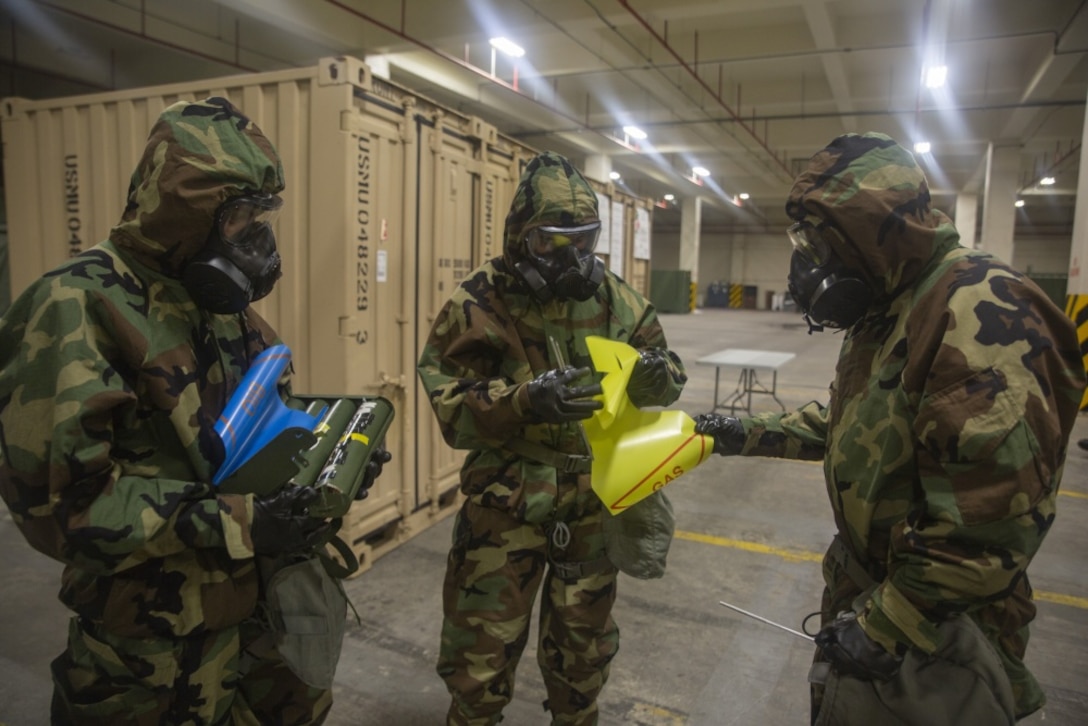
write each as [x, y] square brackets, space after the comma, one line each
[391, 199]
[617, 245]
[639, 226]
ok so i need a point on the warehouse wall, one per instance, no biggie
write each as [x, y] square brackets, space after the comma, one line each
[763, 259]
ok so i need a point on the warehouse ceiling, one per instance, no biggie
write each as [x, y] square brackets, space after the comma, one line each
[746, 89]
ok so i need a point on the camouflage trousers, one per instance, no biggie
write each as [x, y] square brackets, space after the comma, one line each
[209, 679]
[495, 568]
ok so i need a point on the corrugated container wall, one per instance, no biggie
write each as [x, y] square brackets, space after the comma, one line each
[391, 199]
[624, 243]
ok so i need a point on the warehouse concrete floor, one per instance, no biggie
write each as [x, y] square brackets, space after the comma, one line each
[750, 532]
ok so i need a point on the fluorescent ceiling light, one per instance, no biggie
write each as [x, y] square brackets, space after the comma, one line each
[634, 132]
[922, 147]
[1047, 181]
[613, 175]
[936, 76]
[700, 171]
[1018, 203]
[670, 197]
[744, 195]
[507, 46]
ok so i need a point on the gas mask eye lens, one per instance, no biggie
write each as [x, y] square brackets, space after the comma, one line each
[546, 242]
[808, 240]
[241, 219]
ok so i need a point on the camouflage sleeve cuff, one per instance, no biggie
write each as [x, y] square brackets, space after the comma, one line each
[893, 621]
[236, 517]
[520, 402]
[797, 434]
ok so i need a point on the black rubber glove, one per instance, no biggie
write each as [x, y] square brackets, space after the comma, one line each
[380, 458]
[649, 381]
[853, 653]
[282, 524]
[728, 432]
[554, 400]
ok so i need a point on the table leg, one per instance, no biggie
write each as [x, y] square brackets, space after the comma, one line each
[774, 389]
[717, 376]
[744, 386]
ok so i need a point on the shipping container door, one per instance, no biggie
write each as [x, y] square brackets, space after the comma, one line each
[640, 247]
[449, 192]
[502, 162]
[377, 265]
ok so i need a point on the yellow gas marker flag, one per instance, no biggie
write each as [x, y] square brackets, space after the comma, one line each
[635, 452]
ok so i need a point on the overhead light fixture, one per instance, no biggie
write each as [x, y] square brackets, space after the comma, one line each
[745, 195]
[922, 147]
[507, 46]
[700, 171]
[613, 175]
[935, 76]
[634, 132]
[1047, 181]
[670, 197]
[1018, 203]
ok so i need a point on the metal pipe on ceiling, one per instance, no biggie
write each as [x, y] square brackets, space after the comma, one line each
[694, 74]
[464, 64]
[809, 52]
[1052, 168]
[623, 72]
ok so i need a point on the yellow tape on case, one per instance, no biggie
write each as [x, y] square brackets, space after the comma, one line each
[635, 452]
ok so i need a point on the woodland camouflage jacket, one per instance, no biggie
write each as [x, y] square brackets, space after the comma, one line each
[111, 380]
[492, 337]
[949, 415]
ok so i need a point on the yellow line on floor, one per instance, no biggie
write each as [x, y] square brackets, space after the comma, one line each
[1075, 495]
[788, 555]
[791, 555]
[1060, 599]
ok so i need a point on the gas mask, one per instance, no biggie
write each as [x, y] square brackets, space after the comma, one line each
[828, 294]
[559, 262]
[239, 264]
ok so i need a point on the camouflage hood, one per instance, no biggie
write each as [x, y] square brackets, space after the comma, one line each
[198, 155]
[551, 192]
[871, 190]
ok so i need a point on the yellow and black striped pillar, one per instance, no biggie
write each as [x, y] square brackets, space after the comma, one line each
[1076, 307]
[736, 296]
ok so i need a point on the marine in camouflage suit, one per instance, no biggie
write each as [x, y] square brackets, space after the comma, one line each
[530, 516]
[111, 380]
[949, 417]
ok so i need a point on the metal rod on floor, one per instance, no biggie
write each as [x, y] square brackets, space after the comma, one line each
[761, 619]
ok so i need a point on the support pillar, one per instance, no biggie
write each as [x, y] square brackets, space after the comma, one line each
[598, 167]
[998, 210]
[691, 223]
[1076, 294]
[967, 219]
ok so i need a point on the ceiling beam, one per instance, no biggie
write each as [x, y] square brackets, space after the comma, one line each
[823, 33]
